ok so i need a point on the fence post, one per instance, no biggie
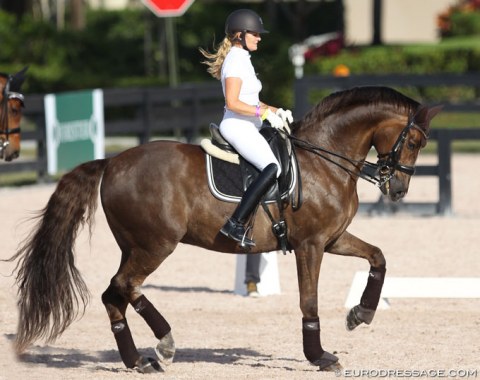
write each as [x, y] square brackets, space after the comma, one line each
[444, 173]
[301, 98]
[147, 117]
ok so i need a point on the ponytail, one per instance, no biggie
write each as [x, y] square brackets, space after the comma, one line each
[214, 60]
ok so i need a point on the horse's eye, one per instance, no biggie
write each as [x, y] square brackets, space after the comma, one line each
[14, 111]
[411, 145]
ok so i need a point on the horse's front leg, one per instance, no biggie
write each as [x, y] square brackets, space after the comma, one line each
[308, 269]
[349, 245]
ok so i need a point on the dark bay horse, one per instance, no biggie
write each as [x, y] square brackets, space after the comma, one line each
[156, 195]
[11, 105]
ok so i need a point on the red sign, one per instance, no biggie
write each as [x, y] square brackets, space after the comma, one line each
[168, 8]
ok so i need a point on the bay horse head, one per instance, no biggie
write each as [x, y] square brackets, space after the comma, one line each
[396, 163]
[347, 124]
[11, 104]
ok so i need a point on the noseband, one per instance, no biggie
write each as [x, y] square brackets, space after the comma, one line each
[388, 163]
[5, 131]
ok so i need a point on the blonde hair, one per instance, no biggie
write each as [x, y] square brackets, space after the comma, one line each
[214, 60]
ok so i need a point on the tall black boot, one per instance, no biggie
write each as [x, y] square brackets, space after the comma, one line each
[235, 226]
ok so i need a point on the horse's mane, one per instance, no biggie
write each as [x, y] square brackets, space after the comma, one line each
[358, 96]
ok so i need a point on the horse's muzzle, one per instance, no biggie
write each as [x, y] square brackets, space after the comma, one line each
[9, 154]
[394, 189]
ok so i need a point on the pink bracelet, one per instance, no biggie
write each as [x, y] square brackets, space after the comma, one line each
[257, 111]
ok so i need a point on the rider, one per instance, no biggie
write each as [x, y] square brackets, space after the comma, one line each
[244, 112]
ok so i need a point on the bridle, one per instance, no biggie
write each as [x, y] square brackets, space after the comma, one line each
[383, 169]
[5, 130]
[389, 162]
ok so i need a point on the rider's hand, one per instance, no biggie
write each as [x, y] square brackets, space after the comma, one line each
[274, 120]
[286, 116]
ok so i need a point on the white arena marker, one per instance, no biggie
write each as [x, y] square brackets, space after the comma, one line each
[415, 287]
[269, 278]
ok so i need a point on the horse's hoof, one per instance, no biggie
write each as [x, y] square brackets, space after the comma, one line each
[165, 349]
[326, 362]
[352, 321]
[335, 367]
[358, 315]
[148, 365]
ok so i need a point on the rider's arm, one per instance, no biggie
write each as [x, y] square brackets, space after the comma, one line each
[233, 103]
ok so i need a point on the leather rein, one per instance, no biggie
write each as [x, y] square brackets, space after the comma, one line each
[384, 168]
[5, 131]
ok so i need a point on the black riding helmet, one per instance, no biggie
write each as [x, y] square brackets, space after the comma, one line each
[244, 20]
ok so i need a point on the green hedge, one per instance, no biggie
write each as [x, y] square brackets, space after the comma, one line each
[465, 24]
[427, 59]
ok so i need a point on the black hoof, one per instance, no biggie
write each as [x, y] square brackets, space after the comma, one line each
[148, 365]
[358, 315]
[326, 361]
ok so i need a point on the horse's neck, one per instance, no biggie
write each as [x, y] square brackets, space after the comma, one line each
[352, 140]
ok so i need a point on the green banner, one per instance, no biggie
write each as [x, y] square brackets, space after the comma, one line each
[75, 129]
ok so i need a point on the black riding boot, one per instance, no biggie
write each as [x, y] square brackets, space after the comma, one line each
[235, 226]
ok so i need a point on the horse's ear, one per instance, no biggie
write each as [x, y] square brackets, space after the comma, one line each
[433, 111]
[425, 114]
[17, 80]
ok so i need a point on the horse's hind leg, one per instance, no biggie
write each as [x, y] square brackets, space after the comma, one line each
[349, 245]
[124, 289]
[165, 348]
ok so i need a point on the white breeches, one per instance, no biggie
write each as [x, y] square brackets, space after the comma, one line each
[243, 134]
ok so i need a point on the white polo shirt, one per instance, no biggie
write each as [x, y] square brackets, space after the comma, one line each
[237, 64]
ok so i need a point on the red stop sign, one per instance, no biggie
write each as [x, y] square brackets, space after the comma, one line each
[168, 8]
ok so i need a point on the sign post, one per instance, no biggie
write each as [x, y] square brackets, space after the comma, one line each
[75, 129]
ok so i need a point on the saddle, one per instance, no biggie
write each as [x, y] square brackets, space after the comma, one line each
[229, 174]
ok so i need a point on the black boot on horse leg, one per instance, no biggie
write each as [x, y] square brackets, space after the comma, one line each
[165, 349]
[312, 347]
[365, 311]
[235, 226]
[128, 351]
[116, 307]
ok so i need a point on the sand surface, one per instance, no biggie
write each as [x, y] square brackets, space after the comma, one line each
[220, 335]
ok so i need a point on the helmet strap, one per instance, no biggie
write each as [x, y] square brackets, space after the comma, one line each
[243, 40]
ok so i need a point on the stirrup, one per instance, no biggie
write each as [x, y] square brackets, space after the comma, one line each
[236, 231]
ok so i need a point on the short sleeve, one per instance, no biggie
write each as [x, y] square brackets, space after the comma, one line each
[233, 68]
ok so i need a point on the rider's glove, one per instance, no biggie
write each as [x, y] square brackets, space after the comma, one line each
[287, 118]
[274, 120]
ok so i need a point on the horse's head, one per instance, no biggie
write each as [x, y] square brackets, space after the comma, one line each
[398, 146]
[11, 104]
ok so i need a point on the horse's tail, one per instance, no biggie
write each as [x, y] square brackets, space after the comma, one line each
[51, 290]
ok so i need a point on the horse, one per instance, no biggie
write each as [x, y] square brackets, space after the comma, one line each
[146, 194]
[11, 105]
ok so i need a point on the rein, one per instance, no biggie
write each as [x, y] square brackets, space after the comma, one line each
[386, 165]
[4, 127]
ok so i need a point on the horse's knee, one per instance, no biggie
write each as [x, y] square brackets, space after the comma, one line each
[377, 259]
